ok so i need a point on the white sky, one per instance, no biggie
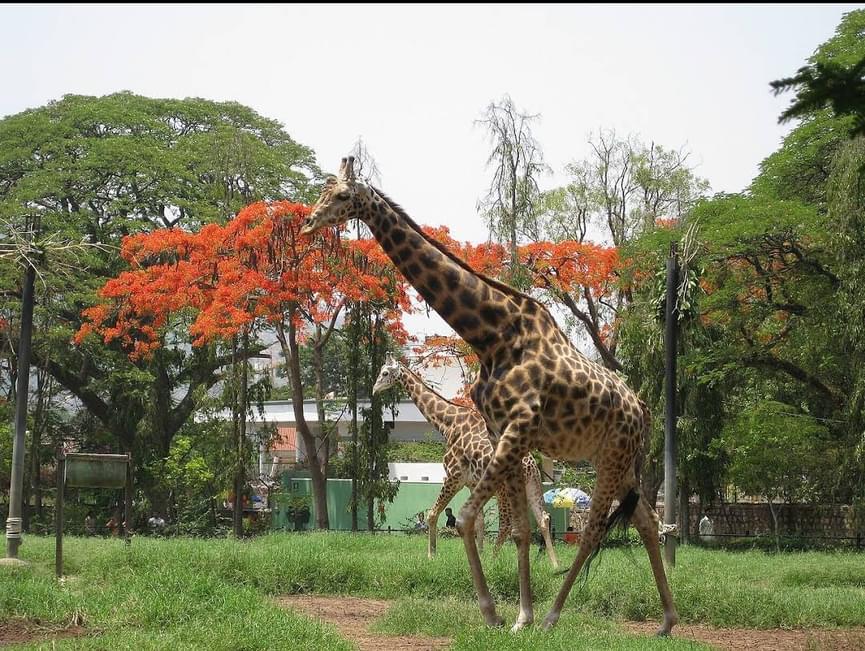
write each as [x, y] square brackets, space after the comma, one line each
[411, 79]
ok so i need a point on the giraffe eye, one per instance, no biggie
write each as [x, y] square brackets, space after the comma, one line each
[342, 196]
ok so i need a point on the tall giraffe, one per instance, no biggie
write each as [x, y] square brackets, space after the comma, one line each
[535, 391]
[468, 450]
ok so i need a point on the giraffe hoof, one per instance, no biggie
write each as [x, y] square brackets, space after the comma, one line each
[667, 626]
[494, 621]
[549, 621]
[516, 628]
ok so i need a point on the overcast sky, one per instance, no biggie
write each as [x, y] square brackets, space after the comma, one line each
[411, 79]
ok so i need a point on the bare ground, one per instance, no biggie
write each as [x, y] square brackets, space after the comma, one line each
[22, 631]
[352, 617]
[749, 639]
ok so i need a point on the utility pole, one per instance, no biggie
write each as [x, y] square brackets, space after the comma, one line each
[670, 347]
[13, 521]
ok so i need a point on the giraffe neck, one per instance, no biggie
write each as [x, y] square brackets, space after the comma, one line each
[430, 404]
[476, 307]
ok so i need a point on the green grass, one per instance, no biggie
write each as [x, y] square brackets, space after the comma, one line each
[451, 618]
[187, 593]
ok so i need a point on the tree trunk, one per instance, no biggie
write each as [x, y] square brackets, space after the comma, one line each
[238, 414]
[128, 439]
[324, 428]
[354, 362]
[43, 397]
[35, 480]
[288, 341]
[684, 511]
[774, 525]
[240, 480]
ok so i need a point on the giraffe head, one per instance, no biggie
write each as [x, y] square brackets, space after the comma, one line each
[388, 376]
[339, 200]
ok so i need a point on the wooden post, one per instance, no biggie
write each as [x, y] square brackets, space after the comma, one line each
[127, 501]
[58, 514]
[670, 322]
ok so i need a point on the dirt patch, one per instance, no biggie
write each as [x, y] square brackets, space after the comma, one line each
[22, 631]
[352, 617]
[749, 639]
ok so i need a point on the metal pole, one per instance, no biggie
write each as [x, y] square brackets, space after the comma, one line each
[671, 318]
[13, 522]
[58, 514]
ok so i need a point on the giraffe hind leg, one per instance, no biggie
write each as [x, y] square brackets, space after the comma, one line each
[606, 488]
[646, 521]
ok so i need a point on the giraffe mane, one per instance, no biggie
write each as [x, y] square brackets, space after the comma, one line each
[502, 287]
[436, 393]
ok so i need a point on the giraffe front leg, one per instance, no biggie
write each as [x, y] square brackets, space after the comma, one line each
[507, 455]
[449, 489]
[522, 538]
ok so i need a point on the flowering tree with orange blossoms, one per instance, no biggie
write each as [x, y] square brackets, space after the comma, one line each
[256, 272]
[581, 276]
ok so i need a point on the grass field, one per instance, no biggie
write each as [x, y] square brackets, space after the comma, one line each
[216, 594]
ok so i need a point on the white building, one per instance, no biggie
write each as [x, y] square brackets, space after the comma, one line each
[405, 421]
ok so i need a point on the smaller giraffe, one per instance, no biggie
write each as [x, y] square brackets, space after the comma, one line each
[468, 450]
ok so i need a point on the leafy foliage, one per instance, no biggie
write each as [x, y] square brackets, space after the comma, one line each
[835, 76]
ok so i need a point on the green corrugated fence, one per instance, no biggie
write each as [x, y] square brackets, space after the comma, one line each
[400, 514]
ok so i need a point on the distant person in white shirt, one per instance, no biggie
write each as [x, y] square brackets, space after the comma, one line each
[707, 530]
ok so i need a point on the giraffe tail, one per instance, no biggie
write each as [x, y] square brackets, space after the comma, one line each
[618, 519]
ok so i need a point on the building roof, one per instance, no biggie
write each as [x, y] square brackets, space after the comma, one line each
[282, 411]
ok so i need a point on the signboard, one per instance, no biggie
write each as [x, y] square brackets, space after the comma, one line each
[96, 470]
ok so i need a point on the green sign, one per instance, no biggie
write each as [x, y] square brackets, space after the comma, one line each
[85, 470]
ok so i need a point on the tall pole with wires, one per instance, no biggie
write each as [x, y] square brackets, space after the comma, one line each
[670, 347]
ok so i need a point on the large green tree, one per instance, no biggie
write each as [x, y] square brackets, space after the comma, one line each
[95, 169]
[779, 313]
